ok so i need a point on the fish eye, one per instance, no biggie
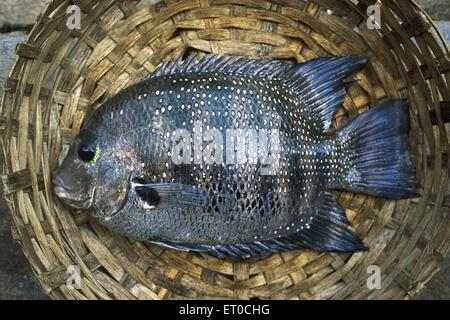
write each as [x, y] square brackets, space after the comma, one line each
[87, 153]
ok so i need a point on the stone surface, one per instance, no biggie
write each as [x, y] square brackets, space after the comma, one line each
[439, 287]
[438, 9]
[21, 12]
[16, 278]
[7, 45]
[444, 26]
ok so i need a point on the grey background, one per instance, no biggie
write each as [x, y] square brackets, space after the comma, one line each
[16, 278]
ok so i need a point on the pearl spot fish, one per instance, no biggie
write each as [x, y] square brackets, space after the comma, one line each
[136, 165]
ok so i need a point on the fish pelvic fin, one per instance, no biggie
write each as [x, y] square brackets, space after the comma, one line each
[327, 232]
[376, 148]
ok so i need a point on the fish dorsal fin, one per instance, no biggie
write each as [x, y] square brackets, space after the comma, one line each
[198, 63]
[318, 83]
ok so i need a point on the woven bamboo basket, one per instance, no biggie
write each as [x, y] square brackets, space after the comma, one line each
[61, 75]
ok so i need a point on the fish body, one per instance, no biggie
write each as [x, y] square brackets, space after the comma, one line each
[235, 157]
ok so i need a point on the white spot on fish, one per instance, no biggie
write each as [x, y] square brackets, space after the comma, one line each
[147, 206]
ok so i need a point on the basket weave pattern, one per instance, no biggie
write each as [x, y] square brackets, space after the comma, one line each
[61, 75]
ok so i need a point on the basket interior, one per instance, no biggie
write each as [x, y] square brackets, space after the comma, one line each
[61, 75]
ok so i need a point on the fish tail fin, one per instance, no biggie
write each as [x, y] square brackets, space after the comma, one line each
[377, 153]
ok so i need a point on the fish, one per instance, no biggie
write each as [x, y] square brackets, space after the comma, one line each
[237, 157]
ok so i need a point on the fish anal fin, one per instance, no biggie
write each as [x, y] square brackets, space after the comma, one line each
[327, 232]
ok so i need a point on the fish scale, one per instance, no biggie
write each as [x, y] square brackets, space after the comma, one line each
[235, 209]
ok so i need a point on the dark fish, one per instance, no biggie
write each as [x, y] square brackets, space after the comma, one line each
[236, 157]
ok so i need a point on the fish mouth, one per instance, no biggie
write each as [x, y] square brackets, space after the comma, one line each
[68, 196]
[65, 194]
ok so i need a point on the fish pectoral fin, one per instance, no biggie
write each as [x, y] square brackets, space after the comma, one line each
[172, 194]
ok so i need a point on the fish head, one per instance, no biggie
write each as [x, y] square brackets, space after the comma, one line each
[75, 180]
[95, 175]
